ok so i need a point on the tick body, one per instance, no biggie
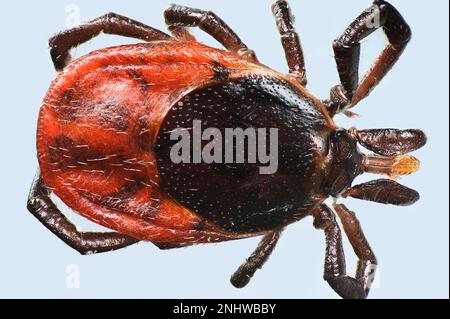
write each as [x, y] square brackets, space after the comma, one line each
[104, 145]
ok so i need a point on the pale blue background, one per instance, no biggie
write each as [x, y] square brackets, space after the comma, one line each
[411, 243]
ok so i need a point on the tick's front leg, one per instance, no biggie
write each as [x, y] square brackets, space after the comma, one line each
[367, 262]
[347, 53]
[335, 273]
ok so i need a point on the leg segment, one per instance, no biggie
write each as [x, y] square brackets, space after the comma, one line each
[347, 52]
[110, 23]
[367, 262]
[180, 16]
[335, 274]
[290, 40]
[256, 260]
[42, 207]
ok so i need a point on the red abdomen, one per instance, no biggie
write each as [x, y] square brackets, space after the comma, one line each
[97, 128]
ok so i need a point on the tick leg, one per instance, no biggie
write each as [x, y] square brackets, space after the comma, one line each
[43, 208]
[180, 16]
[347, 53]
[335, 274]
[111, 23]
[256, 260]
[290, 40]
[367, 262]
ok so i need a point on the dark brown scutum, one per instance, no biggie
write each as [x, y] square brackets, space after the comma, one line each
[236, 196]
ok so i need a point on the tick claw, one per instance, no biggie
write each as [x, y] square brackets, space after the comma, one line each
[351, 114]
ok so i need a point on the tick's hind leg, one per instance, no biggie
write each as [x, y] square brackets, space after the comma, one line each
[110, 23]
[290, 40]
[43, 208]
[335, 274]
[181, 17]
[256, 260]
[347, 52]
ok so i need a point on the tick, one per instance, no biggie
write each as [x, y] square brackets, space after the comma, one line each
[103, 140]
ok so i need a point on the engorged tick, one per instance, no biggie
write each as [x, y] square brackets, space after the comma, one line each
[103, 140]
